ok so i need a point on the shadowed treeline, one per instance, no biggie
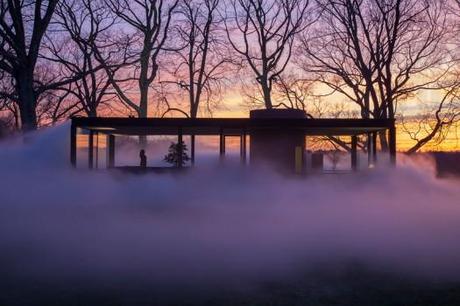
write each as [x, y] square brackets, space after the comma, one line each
[395, 59]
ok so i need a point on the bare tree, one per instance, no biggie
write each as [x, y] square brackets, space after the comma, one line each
[202, 58]
[8, 103]
[82, 22]
[377, 52]
[9, 115]
[294, 92]
[22, 27]
[433, 124]
[437, 119]
[149, 22]
[263, 34]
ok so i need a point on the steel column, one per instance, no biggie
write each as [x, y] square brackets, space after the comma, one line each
[73, 146]
[180, 148]
[392, 144]
[192, 150]
[90, 149]
[221, 144]
[110, 151]
[354, 152]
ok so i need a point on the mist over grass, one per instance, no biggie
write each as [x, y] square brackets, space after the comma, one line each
[215, 226]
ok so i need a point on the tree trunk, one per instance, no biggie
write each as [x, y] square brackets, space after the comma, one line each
[142, 112]
[383, 137]
[92, 112]
[27, 100]
[383, 141]
[267, 94]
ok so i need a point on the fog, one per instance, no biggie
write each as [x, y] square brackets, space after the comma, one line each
[215, 226]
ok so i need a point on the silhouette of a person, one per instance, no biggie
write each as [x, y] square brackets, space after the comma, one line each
[143, 158]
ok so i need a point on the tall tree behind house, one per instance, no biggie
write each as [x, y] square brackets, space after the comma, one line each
[263, 35]
[377, 52]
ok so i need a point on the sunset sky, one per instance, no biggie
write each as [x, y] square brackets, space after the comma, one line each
[229, 152]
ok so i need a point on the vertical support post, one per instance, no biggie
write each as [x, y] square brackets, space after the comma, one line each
[241, 148]
[299, 160]
[374, 148]
[392, 143]
[192, 150]
[354, 152]
[369, 149]
[221, 144]
[245, 154]
[90, 149]
[73, 146]
[180, 148]
[110, 151]
[304, 154]
[97, 150]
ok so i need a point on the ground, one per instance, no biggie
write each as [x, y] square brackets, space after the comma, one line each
[353, 286]
[223, 234]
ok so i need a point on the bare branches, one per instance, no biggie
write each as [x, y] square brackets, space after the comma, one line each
[201, 56]
[84, 22]
[433, 125]
[378, 53]
[263, 34]
[22, 27]
[370, 51]
[149, 23]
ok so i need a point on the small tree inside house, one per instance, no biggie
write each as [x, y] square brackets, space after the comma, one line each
[173, 156]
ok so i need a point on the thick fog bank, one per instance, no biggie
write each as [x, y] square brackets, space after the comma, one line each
[215, 225]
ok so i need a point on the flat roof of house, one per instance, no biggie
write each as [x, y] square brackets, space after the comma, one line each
[228, 126]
